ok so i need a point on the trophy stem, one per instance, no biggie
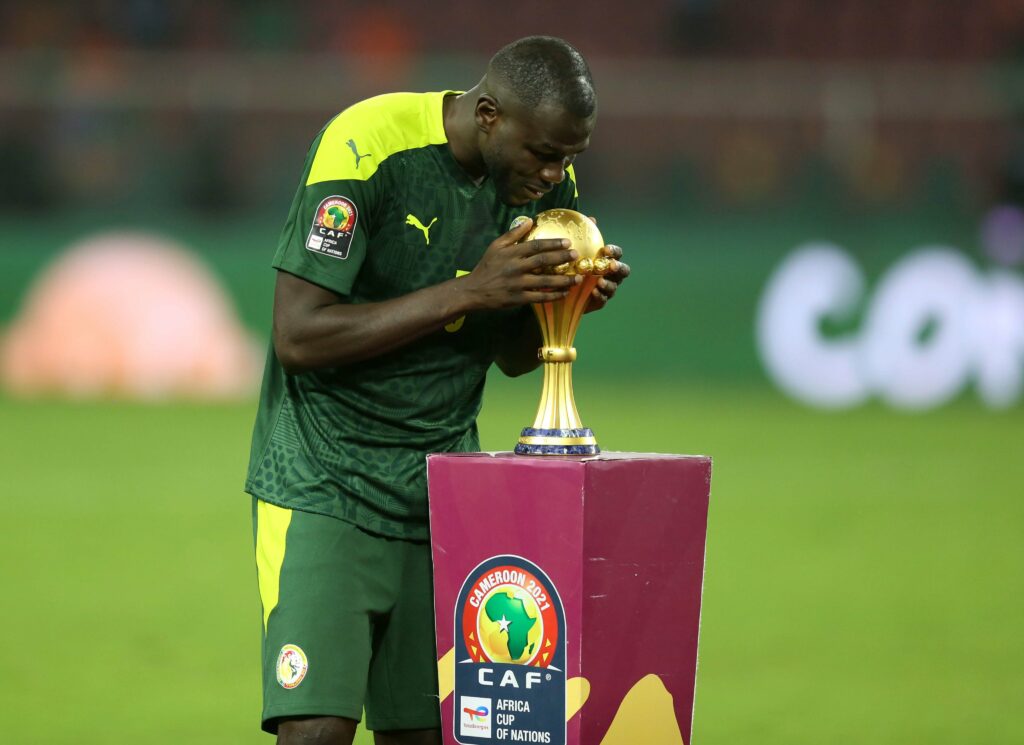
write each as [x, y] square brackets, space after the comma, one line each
[557, 408]
[557, 428]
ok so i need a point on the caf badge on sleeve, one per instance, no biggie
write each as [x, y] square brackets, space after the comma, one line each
[333, 226]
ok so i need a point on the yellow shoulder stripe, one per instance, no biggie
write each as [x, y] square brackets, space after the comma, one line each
[572, 175]
[361, 137]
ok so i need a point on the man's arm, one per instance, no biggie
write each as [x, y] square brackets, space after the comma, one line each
[517, 353]
[314, 329]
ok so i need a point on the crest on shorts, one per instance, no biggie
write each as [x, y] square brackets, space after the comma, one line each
[333, 226]
[291, 666]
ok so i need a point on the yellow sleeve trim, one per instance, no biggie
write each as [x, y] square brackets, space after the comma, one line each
[363, 136]
[271, 528]
[572, 175]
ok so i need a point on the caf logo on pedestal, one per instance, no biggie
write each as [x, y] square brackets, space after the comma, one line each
[509, 655]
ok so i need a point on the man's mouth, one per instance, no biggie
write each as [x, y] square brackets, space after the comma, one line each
[535, 192]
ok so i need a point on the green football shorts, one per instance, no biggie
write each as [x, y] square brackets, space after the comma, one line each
[348, 622]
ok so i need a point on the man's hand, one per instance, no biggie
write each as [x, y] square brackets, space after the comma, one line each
[512, 274]
[609, 283]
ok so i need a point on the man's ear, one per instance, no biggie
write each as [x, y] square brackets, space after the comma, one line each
[487, 112]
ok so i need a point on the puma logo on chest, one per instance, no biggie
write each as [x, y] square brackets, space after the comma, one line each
[411, 219]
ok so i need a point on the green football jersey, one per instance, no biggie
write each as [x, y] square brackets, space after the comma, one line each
[383, 209]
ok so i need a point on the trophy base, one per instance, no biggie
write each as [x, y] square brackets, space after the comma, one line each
[557, 442]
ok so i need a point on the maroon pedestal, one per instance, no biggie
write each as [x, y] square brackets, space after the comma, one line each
[567, 595]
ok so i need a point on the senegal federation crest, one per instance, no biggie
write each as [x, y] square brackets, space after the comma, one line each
[510, 655]
[291, 666]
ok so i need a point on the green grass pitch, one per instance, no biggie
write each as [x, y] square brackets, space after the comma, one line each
[862, 584]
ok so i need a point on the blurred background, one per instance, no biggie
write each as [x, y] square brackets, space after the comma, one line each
[823, 206]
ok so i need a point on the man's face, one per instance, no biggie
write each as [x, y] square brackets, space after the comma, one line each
[527, 151]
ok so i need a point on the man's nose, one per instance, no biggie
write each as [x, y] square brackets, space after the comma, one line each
[553, 173]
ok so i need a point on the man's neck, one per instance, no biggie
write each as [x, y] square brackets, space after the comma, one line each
[459, 115]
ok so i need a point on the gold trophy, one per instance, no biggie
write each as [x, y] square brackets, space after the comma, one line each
[557, 429]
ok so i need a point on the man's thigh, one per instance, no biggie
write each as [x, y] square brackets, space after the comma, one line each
[402, 691]
[322, 582]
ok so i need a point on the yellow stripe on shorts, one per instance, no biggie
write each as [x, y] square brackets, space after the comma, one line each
[271, 530]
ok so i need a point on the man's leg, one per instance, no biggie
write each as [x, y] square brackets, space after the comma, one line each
[317, 731]
[408, 737]
[401, 698]
[321, 580]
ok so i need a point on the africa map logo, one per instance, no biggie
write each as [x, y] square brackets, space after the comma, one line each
[510, 655]
[337, 214]
[508, 617]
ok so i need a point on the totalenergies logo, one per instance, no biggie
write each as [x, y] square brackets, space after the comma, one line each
[508, 617]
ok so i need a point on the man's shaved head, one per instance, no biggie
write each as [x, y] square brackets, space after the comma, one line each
[545, 71]
[532, 114]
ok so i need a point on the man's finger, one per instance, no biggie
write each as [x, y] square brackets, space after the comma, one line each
[544, 296]
[621, 273]
[596, 301]
[529, 248]
[547, 259]
[611, 251]
[554, 281]
[516, 233]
